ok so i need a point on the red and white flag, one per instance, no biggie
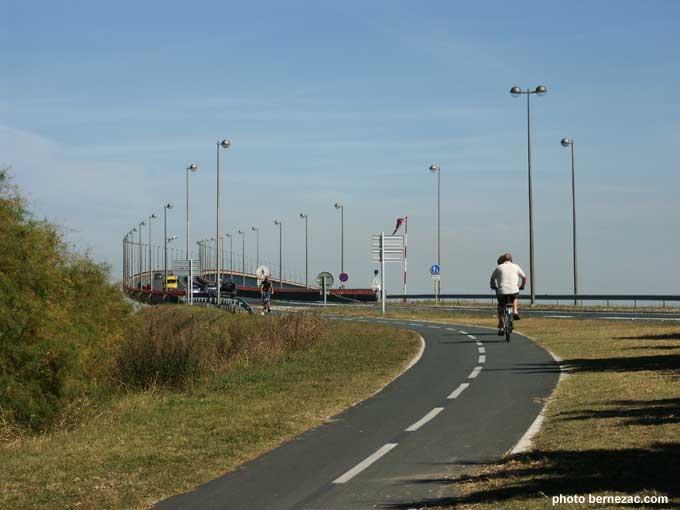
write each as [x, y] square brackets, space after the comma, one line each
[399, 222]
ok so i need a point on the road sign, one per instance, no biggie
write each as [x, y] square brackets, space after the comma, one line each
[324, 279]
[435, 269]
[343, 277]
[184, 267]
[389, 247]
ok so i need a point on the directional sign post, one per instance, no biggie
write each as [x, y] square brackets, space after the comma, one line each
[188, 268]
[386, 249]
[435, 271]
[325, 281]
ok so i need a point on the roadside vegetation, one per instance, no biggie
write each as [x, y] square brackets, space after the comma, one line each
[101, 407]
[612, 426]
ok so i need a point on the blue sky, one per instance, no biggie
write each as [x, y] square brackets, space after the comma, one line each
[103, 105]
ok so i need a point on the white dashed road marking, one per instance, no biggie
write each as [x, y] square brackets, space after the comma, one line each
[365, 463]
[475, 372]
[482, 358]
[481, 350]
[425, 419]
[460, 389]
[472, 337]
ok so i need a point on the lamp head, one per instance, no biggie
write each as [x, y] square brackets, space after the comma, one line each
[434, 168]
[169, 205]
[566, 142]
[153, 216]
[338, 205]
[277, 222]
[192, 167]
[254, 229]
[303, 215]
[225, 144]
[541, 90]
[240, 232]
[516, 91]
[227, 235]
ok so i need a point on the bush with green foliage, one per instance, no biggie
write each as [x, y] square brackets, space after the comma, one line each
[59, 317]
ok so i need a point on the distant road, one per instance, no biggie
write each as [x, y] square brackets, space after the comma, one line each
[469, 399]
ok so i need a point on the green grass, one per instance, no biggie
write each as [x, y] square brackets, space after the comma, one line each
[145, 446]
[612, 427]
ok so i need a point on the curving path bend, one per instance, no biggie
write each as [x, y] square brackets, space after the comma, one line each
[468, 400]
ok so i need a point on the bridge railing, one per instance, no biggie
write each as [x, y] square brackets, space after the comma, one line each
[605, 299]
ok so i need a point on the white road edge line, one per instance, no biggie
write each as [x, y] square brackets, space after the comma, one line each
[365, 463]
[451, 329]
[482, 358]
[425, 419]
[460, 389]
[435, 327]
[524, 444]
[419, 325]
[475, 372]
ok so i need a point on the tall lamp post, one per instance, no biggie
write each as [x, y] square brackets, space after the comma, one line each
[243, 255]
[568, 142]
[167, 206]
[152, 217]
[257, 246]
[231, 254]
[224, 144]
[190, 168]
[141, 254]
[339, 205]
[516, 92]
[280, 225]
[306, 218]
[438, 283]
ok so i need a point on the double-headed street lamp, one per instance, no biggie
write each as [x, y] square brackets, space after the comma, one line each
[435, 169]
[516, 92]
[243, 255]
[167, 206]
[224, 144]
[568, 142]
[306, 218]
[257, 246]
[339, 205]
[280, 225]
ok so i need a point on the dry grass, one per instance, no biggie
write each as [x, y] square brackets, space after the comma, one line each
[145, 446]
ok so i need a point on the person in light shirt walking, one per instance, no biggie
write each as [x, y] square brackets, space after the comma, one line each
[507, 280]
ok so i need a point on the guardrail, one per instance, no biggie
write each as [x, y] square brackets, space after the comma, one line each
[232, 304]
[604, 298]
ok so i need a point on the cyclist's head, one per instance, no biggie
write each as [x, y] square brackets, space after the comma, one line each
[507, 257]
[501, 259]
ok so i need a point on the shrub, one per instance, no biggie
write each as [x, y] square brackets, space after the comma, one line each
[58, 316]
[172, 346]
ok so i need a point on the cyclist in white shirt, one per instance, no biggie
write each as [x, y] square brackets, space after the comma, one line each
[507, 280]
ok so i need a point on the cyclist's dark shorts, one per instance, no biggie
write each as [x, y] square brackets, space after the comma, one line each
[266, 296]
[503, 299]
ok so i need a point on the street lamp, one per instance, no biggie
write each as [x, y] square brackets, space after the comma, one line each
[243, 256]
[152, 217]
[190, 168]
[438, 283]
[224, 144]
[280, 225]
[231, 255]
[141, 255]
[516, 92]
[167, 206]
[339, 205]
[306, 218]
[568, 142]
[257, 249]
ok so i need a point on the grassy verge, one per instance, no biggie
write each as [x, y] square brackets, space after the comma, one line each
[146, 445]
[612, 427]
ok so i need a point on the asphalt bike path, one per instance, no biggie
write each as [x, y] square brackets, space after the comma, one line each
[467, 400]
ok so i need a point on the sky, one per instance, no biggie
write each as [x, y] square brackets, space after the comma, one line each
[103, 105]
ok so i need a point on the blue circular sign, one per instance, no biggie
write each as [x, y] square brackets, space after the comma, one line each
[435, 269]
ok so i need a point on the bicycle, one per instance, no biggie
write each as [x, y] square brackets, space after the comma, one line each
[507, 320]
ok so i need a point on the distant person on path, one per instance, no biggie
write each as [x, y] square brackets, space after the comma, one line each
[505, 280]
[266, 290]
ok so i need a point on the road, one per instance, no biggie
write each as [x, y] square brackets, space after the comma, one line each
[468, 399]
